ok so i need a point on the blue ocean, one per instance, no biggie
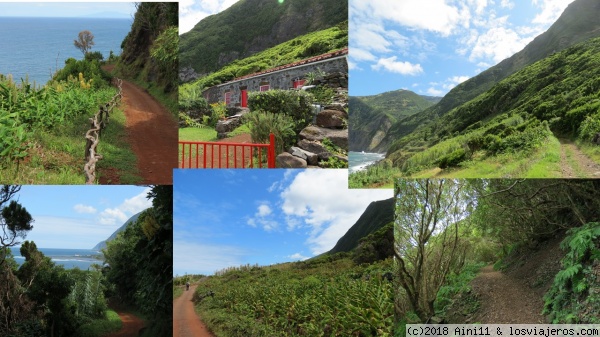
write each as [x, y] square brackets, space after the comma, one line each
[39, 46]
[360, 160]
[69, 258]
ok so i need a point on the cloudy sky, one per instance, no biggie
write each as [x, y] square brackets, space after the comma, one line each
[430, 46]
[193, 11]
[68, 9]
[79, 217]
[226, 218]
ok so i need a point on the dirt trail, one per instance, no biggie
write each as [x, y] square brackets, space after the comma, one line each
[131, 325]
[185, 321]
[152, 133]
[574, 163]
[505, 299]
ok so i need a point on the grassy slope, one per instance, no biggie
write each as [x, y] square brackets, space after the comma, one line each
[577, 24]
[299, 48]
[299, 299]
[251, 26]
[561, 90]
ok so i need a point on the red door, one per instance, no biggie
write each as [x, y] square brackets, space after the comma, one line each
[244, 98]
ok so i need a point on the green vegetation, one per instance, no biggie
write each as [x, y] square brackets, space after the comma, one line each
[204, 134]
[328, 295]
[42, 128]
[577, 24]
[251, 26]
[450, 228]
[556, 96]
[139, 260]
[40, 298]
[149, 56]
[293, 50]
[573, 297]
[262, 124]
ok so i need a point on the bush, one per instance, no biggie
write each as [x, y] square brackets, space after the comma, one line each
[295, 104]
[90, 70]
[452, 159]
[262, 123]
[94, 56]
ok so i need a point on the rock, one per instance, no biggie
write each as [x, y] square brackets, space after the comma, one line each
[311, 158]
[297, 152]
[228, 125]
[314, 147]
[287, 160]
[315, 133]
[336, 106]
[332, 119]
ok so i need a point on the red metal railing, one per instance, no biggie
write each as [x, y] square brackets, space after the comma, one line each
[227, 155]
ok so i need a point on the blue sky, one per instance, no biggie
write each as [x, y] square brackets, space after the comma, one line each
[68, 9]
[79, 217]
[430, 46]
[226, 218]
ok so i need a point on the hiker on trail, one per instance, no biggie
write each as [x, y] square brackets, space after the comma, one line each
[187, 286]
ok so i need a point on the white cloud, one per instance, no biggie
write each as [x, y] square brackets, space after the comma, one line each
[193, 11]
[404, 68]
[507, 4]
[263, 218]
[129, 207]
[321, 200]
[80, 208]
[497, 44]
[263, 210]
[551, 10]
[434, 92]
[433, 15]
[361, 55]
[298, 256]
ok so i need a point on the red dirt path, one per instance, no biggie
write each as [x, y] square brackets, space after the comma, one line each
[185, 321]
[152, 134]
[131, 325]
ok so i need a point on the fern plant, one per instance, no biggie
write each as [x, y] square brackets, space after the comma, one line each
[575, 285]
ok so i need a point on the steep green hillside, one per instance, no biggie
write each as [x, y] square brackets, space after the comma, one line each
[559, 94]
[372, 116]
[102, 244]
[251, 26]
[150, 49]
[377, 214]
[299, 48]
[578, 23]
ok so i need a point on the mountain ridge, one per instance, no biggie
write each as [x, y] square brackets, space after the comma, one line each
[576, 24]
[251, 26]
[102, 244]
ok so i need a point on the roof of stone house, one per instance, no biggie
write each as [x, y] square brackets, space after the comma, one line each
[313, 59]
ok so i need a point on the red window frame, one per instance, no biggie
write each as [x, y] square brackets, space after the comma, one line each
[264, 87]
[227, 97]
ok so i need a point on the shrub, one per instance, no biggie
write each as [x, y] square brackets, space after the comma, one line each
[295, 104]
[589, 127]
[262, 123]
[452, 159]
[90, 70]
[94, 56]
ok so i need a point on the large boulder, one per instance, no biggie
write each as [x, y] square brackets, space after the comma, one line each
[311, 158]
[228, 125]
[314, 147]
[316, 133]
[332, 119]
[287, 160]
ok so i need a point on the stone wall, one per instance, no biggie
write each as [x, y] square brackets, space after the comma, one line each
[281, 79]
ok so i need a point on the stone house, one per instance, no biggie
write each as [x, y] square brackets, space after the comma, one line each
[290, 76]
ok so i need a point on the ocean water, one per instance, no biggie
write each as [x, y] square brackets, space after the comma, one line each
[359, 160]
[69, 258]
[39, 46]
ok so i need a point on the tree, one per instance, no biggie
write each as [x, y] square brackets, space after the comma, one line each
[15, 220]
[427, 246]
[85, 41]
